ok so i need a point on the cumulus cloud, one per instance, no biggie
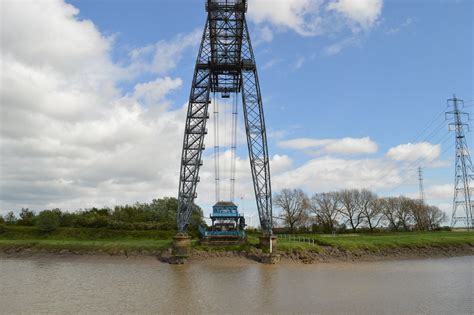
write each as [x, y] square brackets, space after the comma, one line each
[361, 13]
[263, 35]
[163, 56]
[326, 173]
[47, 34]
[328, 146]
[154, 92]
[439, 192]
[415, 151]
[69, 137]
[310, 18]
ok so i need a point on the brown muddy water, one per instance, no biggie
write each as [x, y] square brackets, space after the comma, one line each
[103, 285]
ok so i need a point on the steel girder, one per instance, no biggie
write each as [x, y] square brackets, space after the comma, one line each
[225, 64]
[195, 129]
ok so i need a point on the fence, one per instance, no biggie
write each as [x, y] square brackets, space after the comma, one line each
[296, 238]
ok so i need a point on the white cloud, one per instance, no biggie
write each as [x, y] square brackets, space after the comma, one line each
[344, 145]
[163, 56]
[337, 47]
[415, 151]
[439, 192]
[263, 35]
[299, 63]
[270, 63]
[68, 136]
[298, 15]
[155, 91]
[325, 174]
[362, 13]
[316, 17]
[396, 29]
[46, 34]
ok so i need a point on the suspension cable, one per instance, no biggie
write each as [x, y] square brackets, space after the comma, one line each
[216, 146]
[233, 147]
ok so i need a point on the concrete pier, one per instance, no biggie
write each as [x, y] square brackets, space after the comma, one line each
[265, 242]
[181, 248]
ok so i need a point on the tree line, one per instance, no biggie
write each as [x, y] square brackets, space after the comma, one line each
[160, 214]
[355, 209]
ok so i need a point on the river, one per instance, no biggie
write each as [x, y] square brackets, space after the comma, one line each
[143, 285]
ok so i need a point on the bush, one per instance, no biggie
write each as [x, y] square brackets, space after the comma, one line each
[443, 228]
[47, 221]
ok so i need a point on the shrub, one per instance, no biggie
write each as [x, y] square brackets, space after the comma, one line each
[10, 218]
[47, 221]
[443, 228]
[27, 217]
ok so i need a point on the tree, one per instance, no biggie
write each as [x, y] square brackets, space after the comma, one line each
[405, 212]
[371, 209]
[26, 217]
[47, 221]
[351, 210]
[420, 215]
[294, 205]
[10, 218]
[389, 209]
[326, 207]
[435, 217]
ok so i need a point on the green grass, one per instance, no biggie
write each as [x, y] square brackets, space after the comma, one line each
[290, 246]
[87, 245]
[351, 242]
[85, 239]
[28, 232]
[82, 239]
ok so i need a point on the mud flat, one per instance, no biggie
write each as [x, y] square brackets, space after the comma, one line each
[325, 255]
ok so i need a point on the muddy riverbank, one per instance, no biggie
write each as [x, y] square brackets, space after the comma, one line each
[325, 255]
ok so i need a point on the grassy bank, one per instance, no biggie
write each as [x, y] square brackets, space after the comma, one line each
[117, 241]
[354, 242]
[85, 239]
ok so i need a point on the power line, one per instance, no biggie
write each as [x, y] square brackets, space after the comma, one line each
[411, 168]
[391, 165]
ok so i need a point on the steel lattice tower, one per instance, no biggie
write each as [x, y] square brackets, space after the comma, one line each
[225, 64]
[420, 181]
[464, 171]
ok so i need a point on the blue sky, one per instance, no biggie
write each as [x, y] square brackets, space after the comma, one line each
[375, 75]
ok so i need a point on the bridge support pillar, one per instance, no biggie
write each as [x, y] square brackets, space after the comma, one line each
[181, 248]
[268, 243]
[265, 242]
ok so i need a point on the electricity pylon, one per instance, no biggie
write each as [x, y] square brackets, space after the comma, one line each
[420, 180]
[464, 171]
[225, 64]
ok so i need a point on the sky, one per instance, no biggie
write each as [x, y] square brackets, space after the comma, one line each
[94, 94]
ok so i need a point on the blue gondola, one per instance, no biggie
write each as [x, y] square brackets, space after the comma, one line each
[228, 225]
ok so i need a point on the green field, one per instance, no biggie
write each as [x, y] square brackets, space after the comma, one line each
[113, 241]
[351, 242]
